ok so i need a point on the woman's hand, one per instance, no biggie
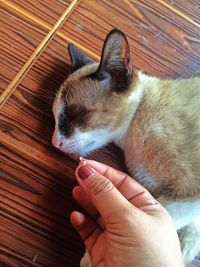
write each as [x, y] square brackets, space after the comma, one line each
[124, 226]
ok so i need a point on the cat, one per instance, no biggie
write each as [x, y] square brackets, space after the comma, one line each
[155, 122]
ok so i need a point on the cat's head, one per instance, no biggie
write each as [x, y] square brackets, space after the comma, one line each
[90, 108]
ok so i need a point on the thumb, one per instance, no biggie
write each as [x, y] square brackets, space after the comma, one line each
[103, 194]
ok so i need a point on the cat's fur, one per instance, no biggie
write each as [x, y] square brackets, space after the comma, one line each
[155, 122]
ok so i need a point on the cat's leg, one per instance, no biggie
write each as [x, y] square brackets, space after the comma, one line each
[86, 261]
[186, 217]
[190, 241]
[182, 211]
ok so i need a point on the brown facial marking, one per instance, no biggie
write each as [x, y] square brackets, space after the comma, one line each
[72, 116]
[76, 114]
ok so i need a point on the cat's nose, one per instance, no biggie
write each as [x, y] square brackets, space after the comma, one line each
[56, 141]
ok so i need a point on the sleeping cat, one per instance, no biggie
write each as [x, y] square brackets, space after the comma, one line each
[155, 122]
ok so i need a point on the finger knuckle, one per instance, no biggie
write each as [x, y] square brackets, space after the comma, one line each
[102, 187]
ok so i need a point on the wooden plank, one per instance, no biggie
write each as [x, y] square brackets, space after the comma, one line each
[35, 192]
[4, 82]
[161, 42]
[35, 55]
[48, 11]
[28, 247]
[189, 8]
[30, 15]
[6, 260]
[18, 40]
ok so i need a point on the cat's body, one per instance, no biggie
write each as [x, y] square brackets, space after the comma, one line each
[162, 143]
[162, 151]
[155, 122]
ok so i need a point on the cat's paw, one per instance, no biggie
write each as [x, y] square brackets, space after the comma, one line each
[86, 261]
[189, 238]
[190, 250]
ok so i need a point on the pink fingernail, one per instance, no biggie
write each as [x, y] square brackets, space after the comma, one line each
[84, 172]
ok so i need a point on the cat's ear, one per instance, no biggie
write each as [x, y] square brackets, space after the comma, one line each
[115, 60]
[78, 58]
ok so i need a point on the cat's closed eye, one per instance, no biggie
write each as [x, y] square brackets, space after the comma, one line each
[71, 117]
[75, 113]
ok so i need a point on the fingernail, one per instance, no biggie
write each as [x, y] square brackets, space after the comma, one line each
[84, 172]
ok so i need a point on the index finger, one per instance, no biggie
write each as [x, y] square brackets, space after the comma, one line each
[134, 192]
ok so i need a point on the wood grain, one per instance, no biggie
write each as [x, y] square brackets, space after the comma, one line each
[17, 42]
[30, 15]
[36, 184]
[35, 55]
[190, 8]
[161, 42]
[4, 82]
[47, 10]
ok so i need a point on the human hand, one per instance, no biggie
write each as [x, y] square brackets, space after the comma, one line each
[125, 225]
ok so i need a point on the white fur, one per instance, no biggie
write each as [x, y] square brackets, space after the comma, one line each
[84, 142]
[136, 95]
[135, 98]
[157, 128]
[186, 217]
[190, 240]
[86, 261]
[182, 212]
[57, 106]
